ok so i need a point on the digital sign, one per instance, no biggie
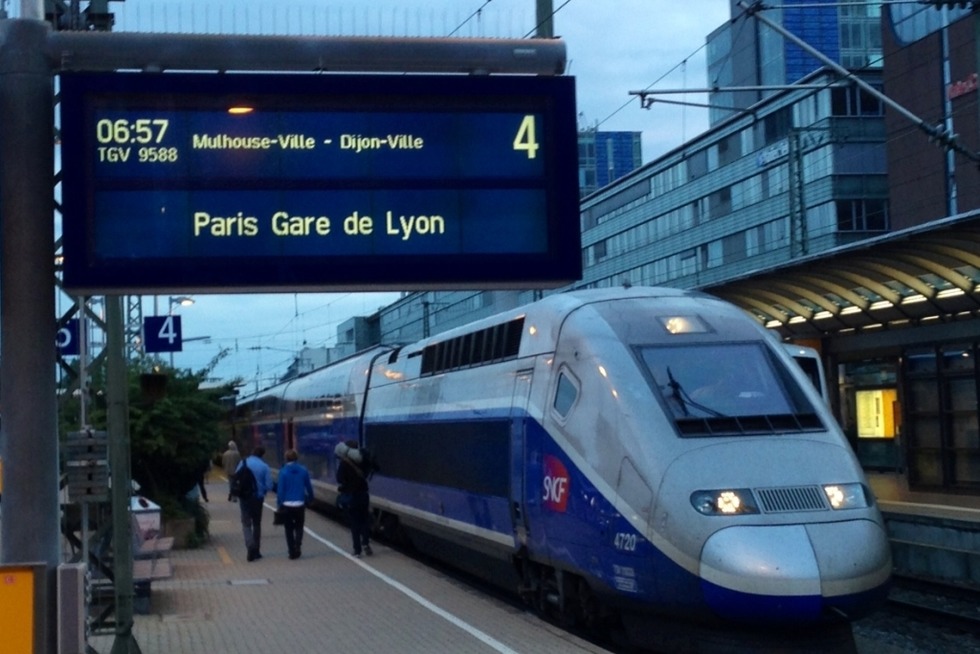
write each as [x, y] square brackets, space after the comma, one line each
[222, 182]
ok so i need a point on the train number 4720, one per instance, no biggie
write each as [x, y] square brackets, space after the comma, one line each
[625, 542]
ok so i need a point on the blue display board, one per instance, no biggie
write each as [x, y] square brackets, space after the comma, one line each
[162, 334]
[200, 182]
[67, 339]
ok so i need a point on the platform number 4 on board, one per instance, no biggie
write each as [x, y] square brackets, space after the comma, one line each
[526, 139]
[162, 334]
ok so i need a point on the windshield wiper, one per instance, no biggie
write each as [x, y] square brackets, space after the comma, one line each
[685, 400]
[677, 391]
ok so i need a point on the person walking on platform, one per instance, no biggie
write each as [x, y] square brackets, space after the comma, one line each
[293, 492]
[202, 478]
[250, 502]
[352, 484]
[229, 462]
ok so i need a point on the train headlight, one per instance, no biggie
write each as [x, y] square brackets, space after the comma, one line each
[846, 496]
[733, 501]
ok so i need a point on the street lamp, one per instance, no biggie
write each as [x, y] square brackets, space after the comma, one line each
[178, 301]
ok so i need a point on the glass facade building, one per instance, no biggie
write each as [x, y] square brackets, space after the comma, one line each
[804, 172]
[747, 53]
[604, 157]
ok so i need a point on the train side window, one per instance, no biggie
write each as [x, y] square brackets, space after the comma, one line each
[479, 340]
[566, 392]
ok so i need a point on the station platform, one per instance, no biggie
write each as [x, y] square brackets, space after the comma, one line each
[326, 601]
[216, 602]
[934, 536]
[894, 496]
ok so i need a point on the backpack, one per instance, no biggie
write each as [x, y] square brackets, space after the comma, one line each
[243, 482]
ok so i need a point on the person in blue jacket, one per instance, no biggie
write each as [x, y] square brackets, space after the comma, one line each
[294, 492]
[251, 507]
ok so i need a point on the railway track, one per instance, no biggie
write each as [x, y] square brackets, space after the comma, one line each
[952, 607]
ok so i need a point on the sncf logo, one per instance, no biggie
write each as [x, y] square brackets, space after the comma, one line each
[555, 484]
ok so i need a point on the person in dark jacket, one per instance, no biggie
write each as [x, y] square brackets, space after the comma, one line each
[202, 477]
[353, 488]
[293, 492]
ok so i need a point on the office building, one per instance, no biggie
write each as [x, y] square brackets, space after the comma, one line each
[604, 157]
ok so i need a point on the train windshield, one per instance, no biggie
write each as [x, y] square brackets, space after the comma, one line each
[727, 387]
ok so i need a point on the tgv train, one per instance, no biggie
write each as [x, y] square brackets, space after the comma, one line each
[628, 452]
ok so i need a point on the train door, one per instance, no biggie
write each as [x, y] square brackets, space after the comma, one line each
[288, 440]
[518, 455]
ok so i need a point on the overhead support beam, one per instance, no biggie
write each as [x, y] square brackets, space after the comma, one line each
[109, 51]
[953, 248]
[740, 298]
[784, 301]
[940, 270]
[858, 277]
[797, 288]
[825, 279]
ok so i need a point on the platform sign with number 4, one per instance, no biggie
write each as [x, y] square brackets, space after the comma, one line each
[162, 334]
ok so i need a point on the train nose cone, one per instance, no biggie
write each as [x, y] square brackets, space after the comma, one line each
[793, 572]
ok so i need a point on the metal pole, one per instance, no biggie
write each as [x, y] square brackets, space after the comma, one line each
[30, 529]
[976, 71]
[32, 9]
[545, 20]
[117, 389]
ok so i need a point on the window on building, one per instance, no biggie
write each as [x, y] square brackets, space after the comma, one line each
[720, 203]
[775, 234]
[941, 394]
[730, 148]
[712, 157]
[777, 125]
[747, 140]
[697, 164]
[733, 248]
[816, 164]
[852, 101]
[688, 262]
[776, 180]
[862, 215]
[860, 158]
[599, 251]
[753, 244]
[715, 254]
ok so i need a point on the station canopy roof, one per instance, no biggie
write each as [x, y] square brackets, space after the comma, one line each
[917, 276]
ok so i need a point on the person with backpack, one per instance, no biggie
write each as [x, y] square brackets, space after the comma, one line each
[251, 482]
[293, 492]
[352, 484]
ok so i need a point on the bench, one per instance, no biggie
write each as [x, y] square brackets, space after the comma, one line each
[148, 543]
[149, 563]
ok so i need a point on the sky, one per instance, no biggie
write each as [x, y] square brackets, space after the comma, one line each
[613, 47]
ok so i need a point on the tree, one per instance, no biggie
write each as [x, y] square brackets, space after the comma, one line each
[173, 433]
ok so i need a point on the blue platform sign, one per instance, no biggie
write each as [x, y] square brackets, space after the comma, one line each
[67, 338]
[198, 183]
[162, 334]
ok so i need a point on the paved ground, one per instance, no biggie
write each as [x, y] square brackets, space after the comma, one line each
[328, 601]
[325, 601]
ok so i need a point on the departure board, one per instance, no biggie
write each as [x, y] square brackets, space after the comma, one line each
[221, 182]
